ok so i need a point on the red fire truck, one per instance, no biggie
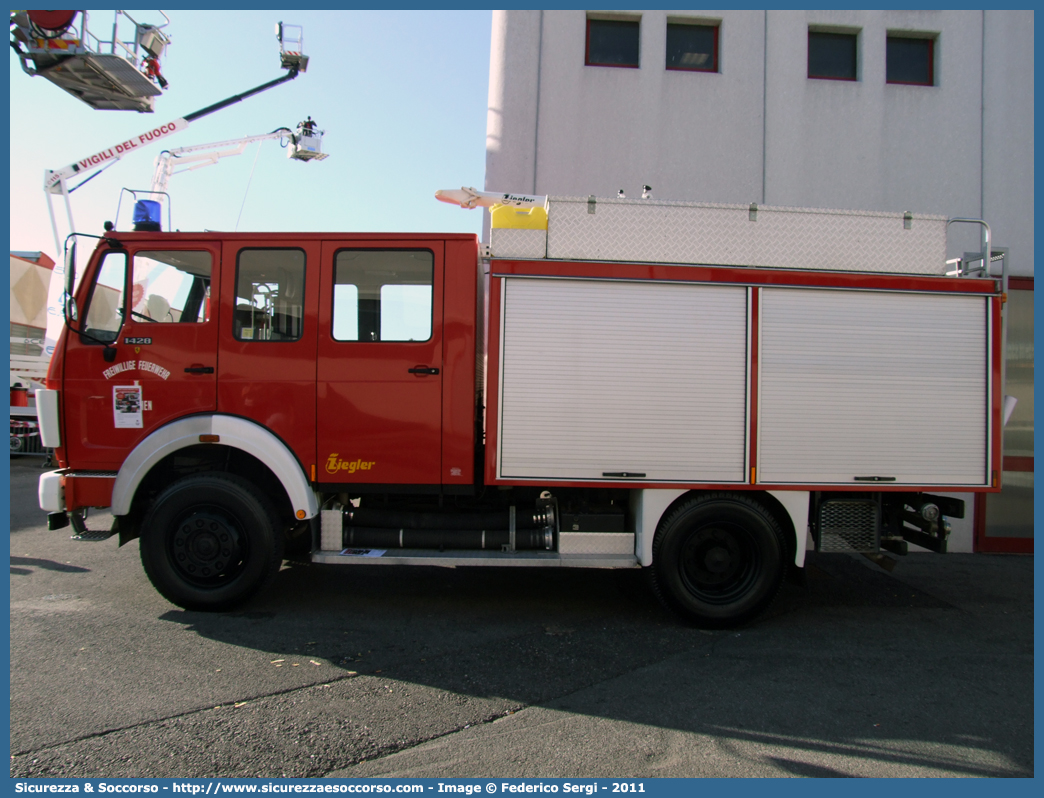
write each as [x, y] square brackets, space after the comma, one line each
[702, 391]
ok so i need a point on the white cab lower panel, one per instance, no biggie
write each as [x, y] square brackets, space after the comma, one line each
[872, 384]
[601, 379]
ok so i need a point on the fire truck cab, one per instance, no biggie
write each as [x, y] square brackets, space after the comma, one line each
[279, 331]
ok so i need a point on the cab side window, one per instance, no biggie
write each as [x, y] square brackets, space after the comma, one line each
[104, 315]
[171, 287]
[383, 295]
[269, 295]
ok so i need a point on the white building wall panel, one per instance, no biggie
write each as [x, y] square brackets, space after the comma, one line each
[1008, 133]
[601, 377]
[871, 384]
[601, 129]
[868, 143]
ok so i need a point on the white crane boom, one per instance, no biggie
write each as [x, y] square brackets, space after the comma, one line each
[199, 155]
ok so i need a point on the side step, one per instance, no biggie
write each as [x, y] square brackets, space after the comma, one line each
[83, 534]
[453, 559]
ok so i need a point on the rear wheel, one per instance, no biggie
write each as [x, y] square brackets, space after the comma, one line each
[209, 542]
[718, 560]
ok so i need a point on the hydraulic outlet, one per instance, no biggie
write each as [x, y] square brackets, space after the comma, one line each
[506, 530]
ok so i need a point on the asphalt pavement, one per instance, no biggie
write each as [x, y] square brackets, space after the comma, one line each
[375, 671]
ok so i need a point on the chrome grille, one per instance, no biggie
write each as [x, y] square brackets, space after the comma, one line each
[25, 438]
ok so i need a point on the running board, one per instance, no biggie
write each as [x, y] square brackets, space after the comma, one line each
[83, 534]
[453, 559]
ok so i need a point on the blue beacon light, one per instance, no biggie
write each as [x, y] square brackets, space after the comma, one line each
[147, 215]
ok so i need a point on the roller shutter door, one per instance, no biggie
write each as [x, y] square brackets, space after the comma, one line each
[601, 377]
[868, 384]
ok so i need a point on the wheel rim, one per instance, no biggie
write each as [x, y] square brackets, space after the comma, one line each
[719, 563]
[207, 548]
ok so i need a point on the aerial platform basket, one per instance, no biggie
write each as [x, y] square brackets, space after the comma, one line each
[306, 145]
[107, 74]
[291, 47]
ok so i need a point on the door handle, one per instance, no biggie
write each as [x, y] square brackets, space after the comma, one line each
[423, 370]
[199, 370]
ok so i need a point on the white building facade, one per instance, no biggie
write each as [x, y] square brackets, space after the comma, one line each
[759, 129]
[813, 109]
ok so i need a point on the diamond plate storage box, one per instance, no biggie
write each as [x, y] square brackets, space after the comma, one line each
[508, 243]
[518, 232]
[742, 235]
[596, 543]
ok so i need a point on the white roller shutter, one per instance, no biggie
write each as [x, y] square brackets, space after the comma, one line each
[868, 384]
[601, 377]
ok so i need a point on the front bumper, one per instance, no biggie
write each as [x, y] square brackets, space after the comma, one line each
[51, 491]
[65, 490]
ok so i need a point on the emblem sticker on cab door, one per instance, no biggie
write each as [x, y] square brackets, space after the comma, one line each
[126, 406]
[335, 465]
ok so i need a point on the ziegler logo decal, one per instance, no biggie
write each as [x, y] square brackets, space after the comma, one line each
[335, 465]
[138, 341]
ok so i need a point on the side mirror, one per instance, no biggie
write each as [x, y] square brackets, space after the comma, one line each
[70, 267]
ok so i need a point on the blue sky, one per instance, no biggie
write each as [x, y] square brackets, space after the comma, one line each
[401, 95]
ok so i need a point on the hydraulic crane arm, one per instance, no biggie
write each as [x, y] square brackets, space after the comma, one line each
[201, 155]
[54, 180]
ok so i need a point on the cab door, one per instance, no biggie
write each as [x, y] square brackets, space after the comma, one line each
[379, 379]
[267, 339]
[150, 305]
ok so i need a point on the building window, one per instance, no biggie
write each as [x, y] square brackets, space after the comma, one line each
[692, 47]
[832, 56]
[910, 60]
[612, 42]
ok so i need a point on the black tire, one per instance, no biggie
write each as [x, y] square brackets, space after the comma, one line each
[209, 542]
[718, 560]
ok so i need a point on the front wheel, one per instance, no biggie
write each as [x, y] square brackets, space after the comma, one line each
[718, 560]
[209, 542]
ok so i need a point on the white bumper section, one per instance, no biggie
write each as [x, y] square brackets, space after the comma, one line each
[51, 492]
